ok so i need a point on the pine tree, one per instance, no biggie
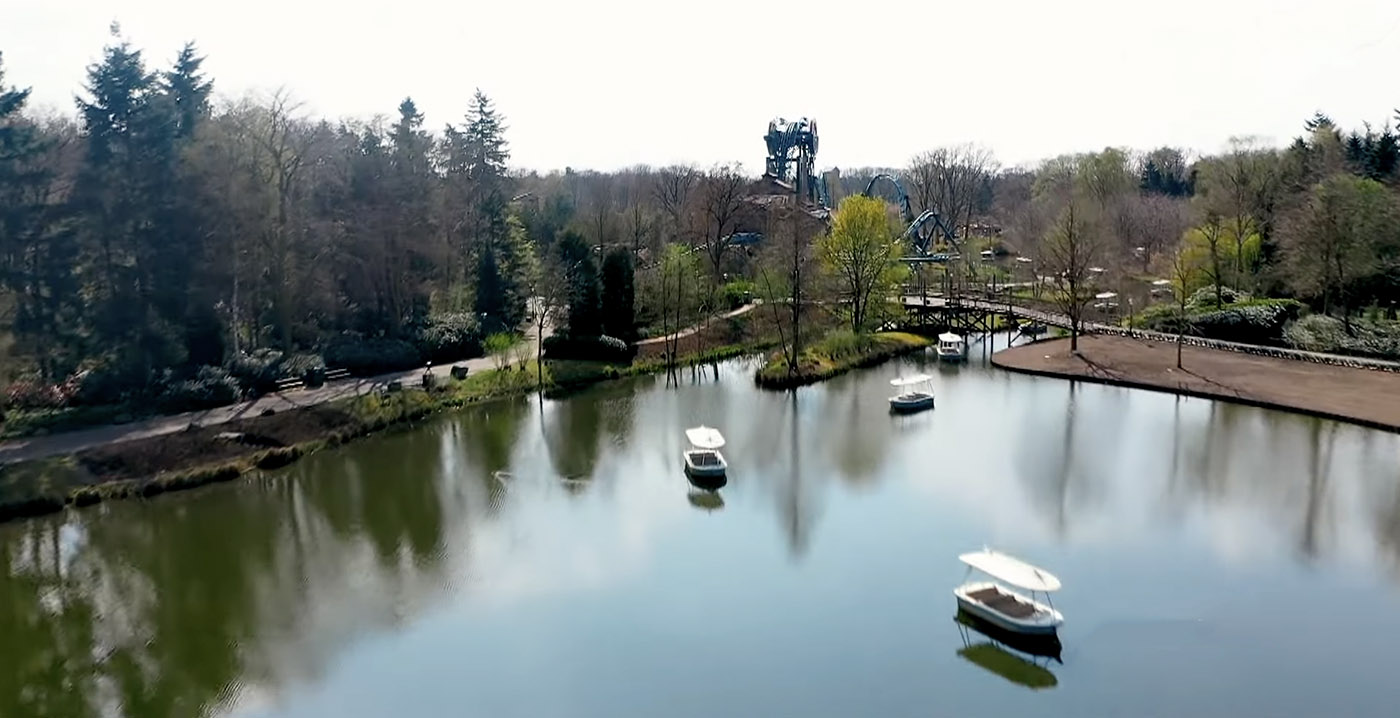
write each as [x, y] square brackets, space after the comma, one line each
[180, 298]
[619, 295]
[38, 251]
[585, 316]
[123, 194]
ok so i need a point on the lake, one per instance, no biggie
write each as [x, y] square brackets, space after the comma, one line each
[548, 558]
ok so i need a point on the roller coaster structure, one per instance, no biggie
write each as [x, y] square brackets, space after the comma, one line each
[921, 228]
[795, 143]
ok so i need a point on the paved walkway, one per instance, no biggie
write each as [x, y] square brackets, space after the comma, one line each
[696, 328]
[38, 447]
[1336, 392]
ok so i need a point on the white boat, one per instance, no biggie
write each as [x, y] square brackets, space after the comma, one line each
[951, 347]
[703, 459]
[999, 605]
[917, 394]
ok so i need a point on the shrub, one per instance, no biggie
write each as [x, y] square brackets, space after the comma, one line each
[33, 394]
[737, 293]
[257, 371]
[449, 337]
[211, 386]
[366, 357]
[105, 384]
[1204, 298]
[1252, 321]
[1322, 333]
[600, 348]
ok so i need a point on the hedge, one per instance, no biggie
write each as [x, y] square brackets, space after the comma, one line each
[599, 348]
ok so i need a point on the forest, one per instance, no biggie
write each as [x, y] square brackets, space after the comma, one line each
[164, 248]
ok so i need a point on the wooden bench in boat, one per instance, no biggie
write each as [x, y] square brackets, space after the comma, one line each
[1003, 603]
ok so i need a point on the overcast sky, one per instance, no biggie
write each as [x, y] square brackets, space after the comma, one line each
[607, 83]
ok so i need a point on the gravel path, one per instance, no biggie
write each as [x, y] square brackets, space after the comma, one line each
[1364, 396]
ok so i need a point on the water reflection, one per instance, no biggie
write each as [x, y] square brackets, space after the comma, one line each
[1023, 660]
[546, 538]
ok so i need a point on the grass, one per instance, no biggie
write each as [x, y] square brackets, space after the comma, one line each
[838, 352]
[187, 459]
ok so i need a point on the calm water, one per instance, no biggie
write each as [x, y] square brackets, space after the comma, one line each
[549, 559]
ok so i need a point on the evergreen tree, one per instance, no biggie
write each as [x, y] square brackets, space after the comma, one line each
[179, 295]
[619, 296]
[38, 250]
[119, 193]
[585, 316]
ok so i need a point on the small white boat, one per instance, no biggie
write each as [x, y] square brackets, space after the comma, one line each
[1000, 606]
[951, 347]
[702, 459]
[917, 394]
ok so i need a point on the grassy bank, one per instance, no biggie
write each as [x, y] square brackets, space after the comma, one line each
[205, 455]
[838, 352]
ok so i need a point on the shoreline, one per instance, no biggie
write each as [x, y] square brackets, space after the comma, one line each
[891, 345]
[1336, 393]
[202, 455]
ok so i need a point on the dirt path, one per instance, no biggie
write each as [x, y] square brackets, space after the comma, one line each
[688, 331]
[1364, 396]
[38, 447]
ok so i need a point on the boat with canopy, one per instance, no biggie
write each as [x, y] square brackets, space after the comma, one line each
[917, 393]
[995, 602]
[951, 347]
[702, 459]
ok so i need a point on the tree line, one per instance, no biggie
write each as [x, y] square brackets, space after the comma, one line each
[158, 233]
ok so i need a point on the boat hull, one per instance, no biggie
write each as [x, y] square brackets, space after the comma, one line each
[950, 356]
[698, 470]
[1044, 622]
[900, 404]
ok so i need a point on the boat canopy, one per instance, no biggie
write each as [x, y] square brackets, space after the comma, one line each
[1012, 570]
[1105, 295]
[949, 337]
[910, 380]
[704, 437]
[1161, 282]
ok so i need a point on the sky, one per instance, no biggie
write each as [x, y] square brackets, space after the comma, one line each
[604, 84]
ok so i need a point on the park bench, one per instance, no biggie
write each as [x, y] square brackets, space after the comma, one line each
[335, 374]
[289, 383]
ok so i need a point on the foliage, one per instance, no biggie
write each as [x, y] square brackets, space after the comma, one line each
[369, 356]
[840, 351]
[448, 337]
[618, 302]
[1345, 244]
[860, 251]
[211, 386]
[498, 347]
[1321, 333]
[597, 348]
[737, 293]
[1254, 321]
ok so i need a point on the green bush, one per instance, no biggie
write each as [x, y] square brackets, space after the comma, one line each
[736, 294]
[1204, 298]
[1322, 333]
[258, 371]
[367, 357]
[449, 337]
[1251, 321]
[600, 348]
[106, 384]
[211, 386]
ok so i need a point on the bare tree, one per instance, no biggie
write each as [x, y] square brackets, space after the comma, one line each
[950, 181]
[674, 190]
[1158, 222]
[1185, 271]
[721, 194]
[282, 140]
[548, 295]
[1069, 253]
[784, 274]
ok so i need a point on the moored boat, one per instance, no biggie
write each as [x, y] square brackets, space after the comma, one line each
[951, 347]
[998, 605]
